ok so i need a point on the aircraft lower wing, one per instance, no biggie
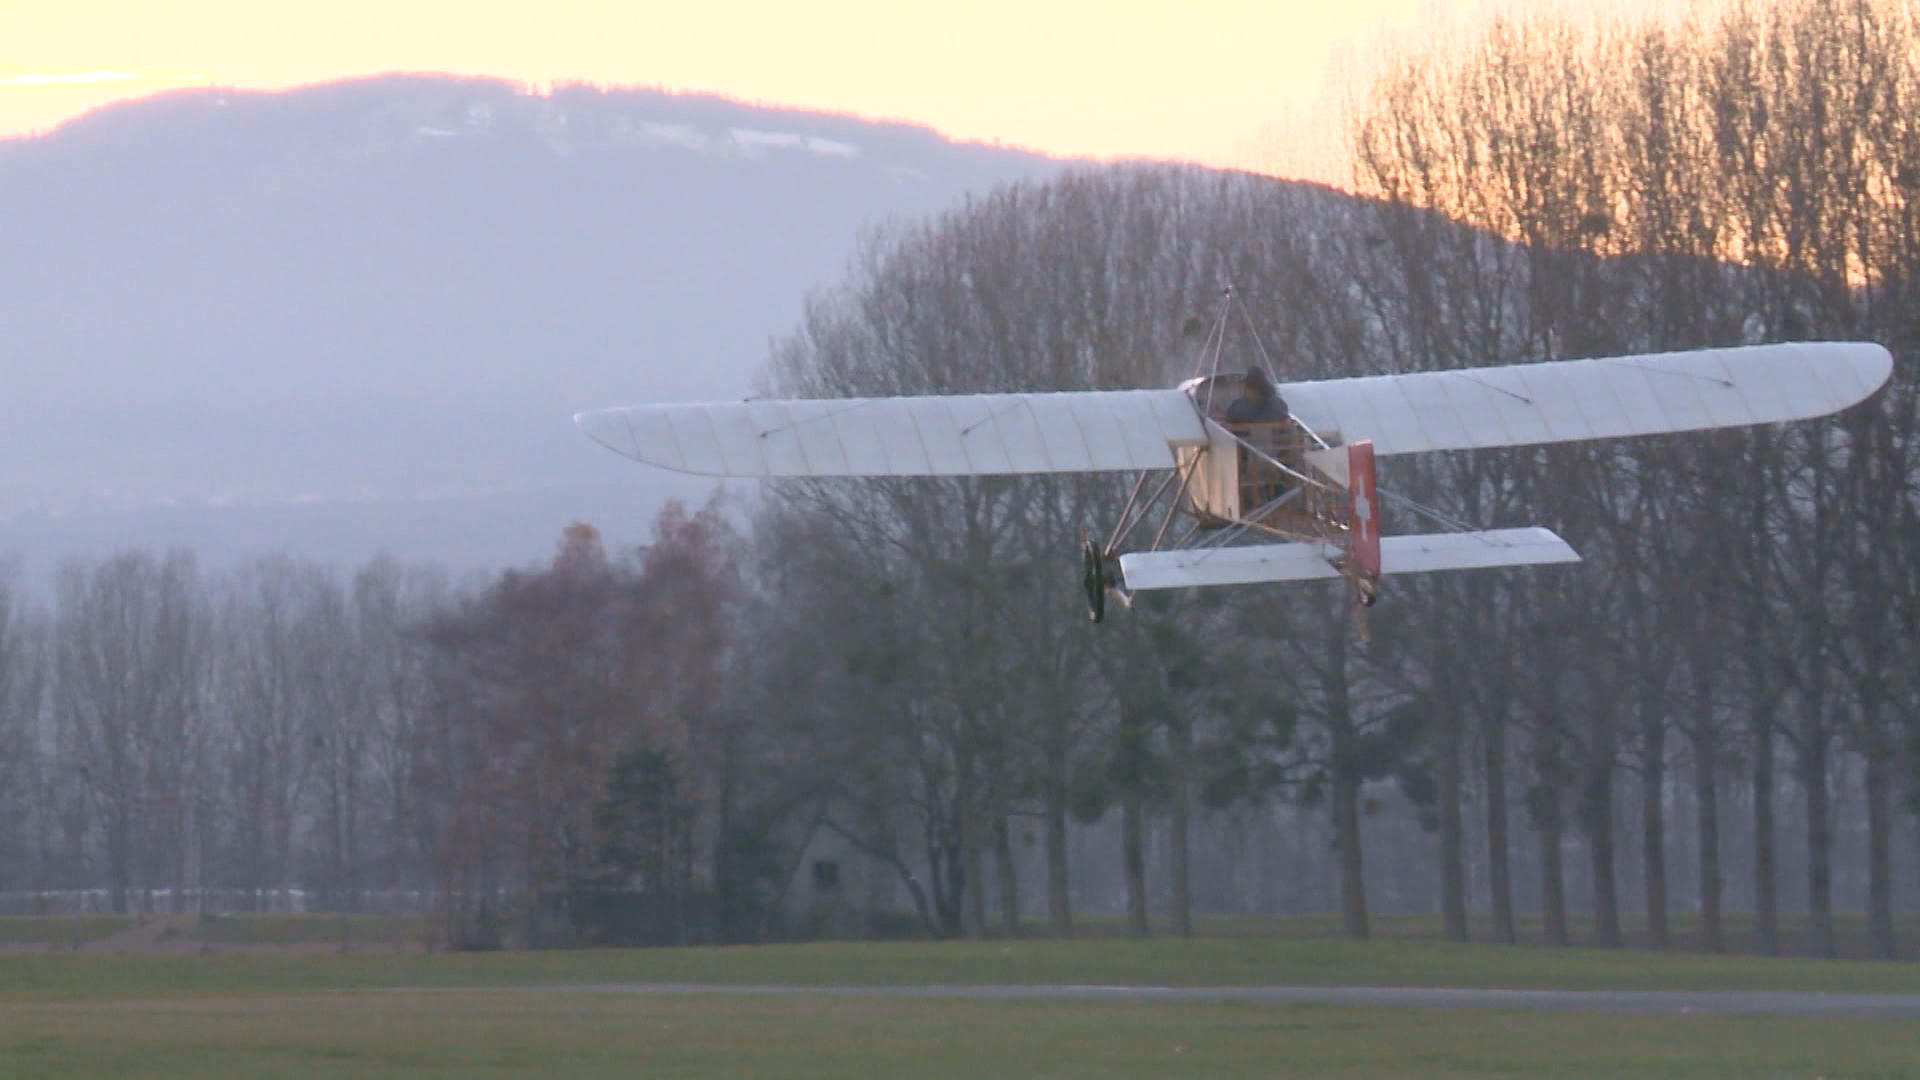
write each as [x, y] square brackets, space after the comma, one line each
[1602, 398]
[1306, 562]
[952, 435]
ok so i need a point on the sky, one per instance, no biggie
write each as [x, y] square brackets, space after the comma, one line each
[1248, 83]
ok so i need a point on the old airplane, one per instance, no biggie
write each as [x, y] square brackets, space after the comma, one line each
[1265, 500]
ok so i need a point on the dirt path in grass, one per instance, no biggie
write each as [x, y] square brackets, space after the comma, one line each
[1657, 1002]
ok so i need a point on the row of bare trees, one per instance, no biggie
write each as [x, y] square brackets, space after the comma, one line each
[177, 738]
[1749, 178]
[170, 729]
[1748, 601]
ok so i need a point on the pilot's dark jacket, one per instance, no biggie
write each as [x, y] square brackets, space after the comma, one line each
[1269, 409]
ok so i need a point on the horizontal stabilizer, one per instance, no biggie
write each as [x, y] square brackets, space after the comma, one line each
[1307, 562]
[1416, 554]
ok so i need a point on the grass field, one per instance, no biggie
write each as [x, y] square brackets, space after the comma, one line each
[1795, 931]
[410, 931]
[527, 1033]
[248, 1009]
[1205, 961]
[61, 930]
[348, 930]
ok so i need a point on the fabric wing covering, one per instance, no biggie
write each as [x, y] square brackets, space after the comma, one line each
[1602, 398]
[1306, 562]
[953, 435]
[1125, 430]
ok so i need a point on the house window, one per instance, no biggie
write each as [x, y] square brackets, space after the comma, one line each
[826, 874]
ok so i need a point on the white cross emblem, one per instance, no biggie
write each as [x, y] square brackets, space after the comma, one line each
[1362, 506]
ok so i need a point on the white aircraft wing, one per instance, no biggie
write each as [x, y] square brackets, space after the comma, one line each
[956, 435]
[1306, 562]
[1602, 398]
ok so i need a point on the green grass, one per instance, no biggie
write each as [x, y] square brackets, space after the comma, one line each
[60, 929]
[1850, 931]
[358, 931]
[409, 931]
[520, 1033]
[306, 1014]
[1158, 961]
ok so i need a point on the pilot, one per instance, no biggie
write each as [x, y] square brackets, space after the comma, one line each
[1258, 403]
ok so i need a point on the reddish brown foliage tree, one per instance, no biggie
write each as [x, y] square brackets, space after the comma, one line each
[547, 676]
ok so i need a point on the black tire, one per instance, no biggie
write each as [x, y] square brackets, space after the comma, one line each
[1093, 578]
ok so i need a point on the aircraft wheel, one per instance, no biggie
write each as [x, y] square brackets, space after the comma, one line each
[1369, 592]
[1094, 579]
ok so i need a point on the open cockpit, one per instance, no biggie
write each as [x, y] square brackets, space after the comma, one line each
[1254, 471]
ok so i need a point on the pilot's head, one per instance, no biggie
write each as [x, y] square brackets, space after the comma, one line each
[1255, 385]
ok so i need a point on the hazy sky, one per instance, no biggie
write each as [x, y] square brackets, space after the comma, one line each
[1247, 82]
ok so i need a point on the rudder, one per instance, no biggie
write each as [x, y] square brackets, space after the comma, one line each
[1363, 517]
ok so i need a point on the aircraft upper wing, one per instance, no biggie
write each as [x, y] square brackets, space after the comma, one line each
[1603, 398]
[956, 435]
[1125, 430]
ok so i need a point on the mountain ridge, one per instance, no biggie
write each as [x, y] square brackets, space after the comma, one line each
[401, 288]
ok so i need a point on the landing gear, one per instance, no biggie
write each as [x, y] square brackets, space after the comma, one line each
[1093, 578]
[1368, 590]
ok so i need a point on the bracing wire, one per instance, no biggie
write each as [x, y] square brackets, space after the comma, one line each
[1259, 344]
[1211, 348]
[1452, 524]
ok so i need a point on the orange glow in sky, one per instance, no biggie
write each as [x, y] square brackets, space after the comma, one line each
[1255, 83]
